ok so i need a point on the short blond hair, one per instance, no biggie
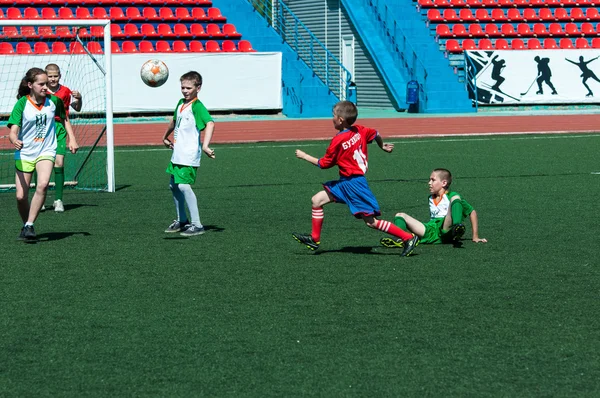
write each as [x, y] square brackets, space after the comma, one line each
[444, 174]
[52, 67]
[347, 111]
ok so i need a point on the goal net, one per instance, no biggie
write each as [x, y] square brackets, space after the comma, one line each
[81, 49]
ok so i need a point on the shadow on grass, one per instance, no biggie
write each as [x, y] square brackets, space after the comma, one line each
[207, 228]
[52, 236]
[349, 249]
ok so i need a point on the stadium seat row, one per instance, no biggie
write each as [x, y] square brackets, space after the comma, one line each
[117, 14]
[126, 47]
[522, 29]
[513, 14]
[72, 3]
[505, 3]
[456, 46]
[196, 30]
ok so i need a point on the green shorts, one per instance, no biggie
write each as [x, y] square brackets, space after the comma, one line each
[28, 166]
[182, 174]
[61, 139]
[434, 233]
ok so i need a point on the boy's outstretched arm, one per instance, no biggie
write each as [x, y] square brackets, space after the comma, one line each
[305, 156]
[475, 227]
[78, 102]
[386, 147]
[208, 133]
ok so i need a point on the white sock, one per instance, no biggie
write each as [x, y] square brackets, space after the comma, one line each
[192, 203]
[179, 200]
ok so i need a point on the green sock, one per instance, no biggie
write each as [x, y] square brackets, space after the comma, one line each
[457, 212]
[400, 223]
[59, 180]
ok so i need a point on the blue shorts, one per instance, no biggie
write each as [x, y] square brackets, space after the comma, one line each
[354, 192]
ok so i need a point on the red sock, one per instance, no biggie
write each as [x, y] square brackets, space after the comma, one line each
[391, 229]
[317, 223]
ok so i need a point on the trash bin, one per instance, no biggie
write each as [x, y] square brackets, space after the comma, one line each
[412, 96]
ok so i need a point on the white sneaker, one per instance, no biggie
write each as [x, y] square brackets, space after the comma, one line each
[43, 208]
[59, 207]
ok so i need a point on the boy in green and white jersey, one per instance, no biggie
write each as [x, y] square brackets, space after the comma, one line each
[447, 210]
[32, 125]
[191, 118]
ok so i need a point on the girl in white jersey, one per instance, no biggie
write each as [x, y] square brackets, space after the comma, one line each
[33, 134]
[189, 120]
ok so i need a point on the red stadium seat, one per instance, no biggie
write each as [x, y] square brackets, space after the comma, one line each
[245, 46]
[116, 14]
[524, 30]
[150, 14]
[212, 46]
[536, 3]
[568, 3]
[64, 32]
[134, 14]
[582, 43]
[13, 13]
[10, 31]
[545, 14]
[453, 46]
[46, 32]
[498, 15]
[501, 44]
[449, 15]
[82, 32]
[533, 44]
[443, 31]
[30, 13]
[508, 30]
[82, 13]
[458, 3]
[65, 13]
[550, 44]
[441, 3]
[529, 15]
[482, 15]
[114, 47]
[587, 29]
[131, 31]
[100, 13]
[552, 3]
[491, 30]
[196, 46]
[466, 15]
[520, 3]
[180, 30]
[59, 47]
[489, 3]
[198, 14]
[475, 30]
[458, 30]
[23, 48]
[469, 44]
[163, 46]
[566, 44]
[571, 29]
[166, 14]
[182, 14]
[146, 47]
[6, 48]
[433, 15]
[560, 14]
[147, 30]
[555, 29]
[76, 48]
[94, 47]
[474, 3]
[116, 32]
[213, 30]
[179, 46]
[592, 14]
[197, 31]
[539, 30]
[215, 15]
[41, 48]
[164, 30]
[229, 46]
[577, 14]
[514, 15]
[29, 32]
[596, 42]
[485, 44]
[129, 47]
[517, 44]
[48, 13]
[97, 31]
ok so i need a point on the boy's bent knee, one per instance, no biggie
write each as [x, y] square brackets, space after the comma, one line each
[401, 215]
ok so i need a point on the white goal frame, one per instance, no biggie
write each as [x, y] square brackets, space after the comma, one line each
[110, 151]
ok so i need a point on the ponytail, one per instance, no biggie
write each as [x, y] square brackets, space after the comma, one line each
[29, 77]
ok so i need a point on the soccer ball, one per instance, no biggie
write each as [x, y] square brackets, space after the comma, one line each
[154, 73]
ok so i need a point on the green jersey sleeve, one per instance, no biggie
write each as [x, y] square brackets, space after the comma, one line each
[59, 113]
[176, 109]
[201, 115]
[467, 208]
[16, 116]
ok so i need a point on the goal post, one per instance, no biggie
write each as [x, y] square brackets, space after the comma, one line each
[82, 50]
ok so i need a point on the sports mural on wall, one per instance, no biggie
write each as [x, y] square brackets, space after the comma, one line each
[533, 77]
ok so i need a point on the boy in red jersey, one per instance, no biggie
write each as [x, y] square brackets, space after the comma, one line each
[65, 94]
[348, 150]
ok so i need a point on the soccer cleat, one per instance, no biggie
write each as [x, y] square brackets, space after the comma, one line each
[43, 208]
[59, 207]
[410, 245]
[306, 240]
[457, 230]
[28, 232]
[177, 226]
[392, 243]
[22, 234]
[193, 230]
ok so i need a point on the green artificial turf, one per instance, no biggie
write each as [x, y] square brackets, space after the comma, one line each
[107, 304]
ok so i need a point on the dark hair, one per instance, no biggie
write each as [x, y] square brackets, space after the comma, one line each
[444, 174]
[347, 111]
[29, 77]
[192, 76]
